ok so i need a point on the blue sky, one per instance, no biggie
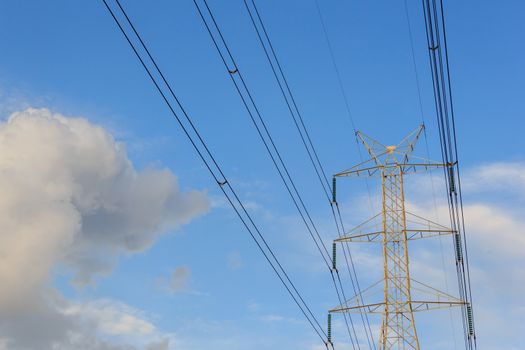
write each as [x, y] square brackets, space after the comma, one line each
[70, 58]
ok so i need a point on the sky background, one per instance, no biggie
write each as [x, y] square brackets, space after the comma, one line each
[174, 269]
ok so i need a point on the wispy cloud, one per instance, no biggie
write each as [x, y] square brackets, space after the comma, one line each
[177, 281]
[235, 261]
[500, 176]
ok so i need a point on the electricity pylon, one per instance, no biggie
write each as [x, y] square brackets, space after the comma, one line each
[394, 227]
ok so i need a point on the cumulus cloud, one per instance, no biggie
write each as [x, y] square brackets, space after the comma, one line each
[118, 321]
[71, 196]
[60, 324]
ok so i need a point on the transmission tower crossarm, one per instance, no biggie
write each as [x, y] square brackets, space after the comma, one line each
[417, 306]
[364, 168]
[375, 308]
[425, 298]
[421, 234]
[376, 237]
[372, 237]
[371, 230]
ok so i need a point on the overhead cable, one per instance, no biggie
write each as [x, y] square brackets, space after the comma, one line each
[198, 143]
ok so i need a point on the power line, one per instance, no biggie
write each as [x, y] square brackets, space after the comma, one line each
[418, 87]
[288, 96]
[432, 45]
[215, 170]
[268, 142]
[346, 248]
[435, 27]
[342, 89]
[261, 128]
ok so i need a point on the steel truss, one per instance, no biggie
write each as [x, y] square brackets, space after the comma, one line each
[394, 227]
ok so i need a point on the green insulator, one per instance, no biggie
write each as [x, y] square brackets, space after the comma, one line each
[452, 180]
[470, 320]
[329, 328]
[333, 190]
[334, 254]
[459, 251]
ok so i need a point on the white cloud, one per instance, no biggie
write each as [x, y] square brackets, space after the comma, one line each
[53, 322]
[112, 318]
[115, 321]
[496, 232]
[71, 196]
[508, 176]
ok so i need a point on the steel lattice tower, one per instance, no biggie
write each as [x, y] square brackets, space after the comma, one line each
[393, 228]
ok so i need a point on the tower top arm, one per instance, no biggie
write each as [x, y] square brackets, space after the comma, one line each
[383, 157]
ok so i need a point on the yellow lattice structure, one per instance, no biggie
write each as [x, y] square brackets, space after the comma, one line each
[393, 228]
